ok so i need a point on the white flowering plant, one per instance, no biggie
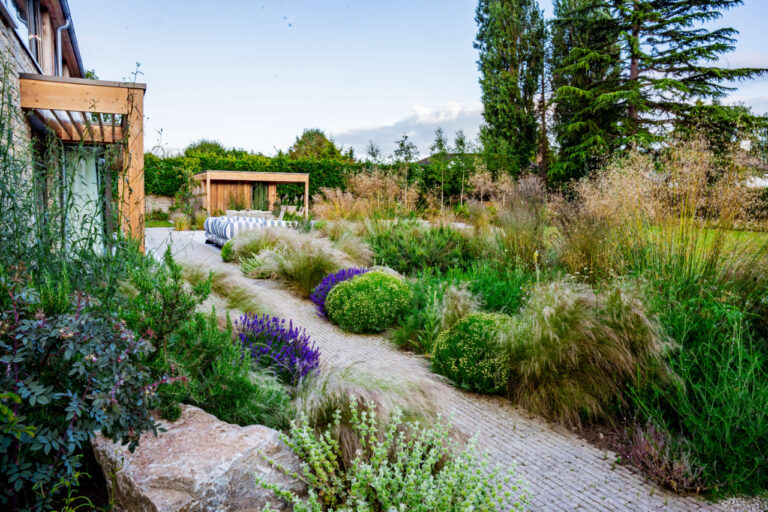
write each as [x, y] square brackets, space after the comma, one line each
[399, 466]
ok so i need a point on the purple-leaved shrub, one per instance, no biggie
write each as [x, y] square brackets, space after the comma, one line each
[285, 349]
[321, 291]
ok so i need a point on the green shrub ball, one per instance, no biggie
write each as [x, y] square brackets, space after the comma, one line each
[471, 353]
[368, 303]
[228, 252]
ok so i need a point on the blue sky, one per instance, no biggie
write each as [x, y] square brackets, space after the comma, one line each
[254, 74]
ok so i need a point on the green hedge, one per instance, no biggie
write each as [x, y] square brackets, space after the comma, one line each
[164, 176]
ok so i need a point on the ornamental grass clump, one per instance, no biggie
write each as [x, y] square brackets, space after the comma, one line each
[321, 291]
[369, 303]
[286, 350]
[576, 351]
[400, 466]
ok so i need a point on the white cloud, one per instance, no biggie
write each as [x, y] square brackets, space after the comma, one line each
[420, 127]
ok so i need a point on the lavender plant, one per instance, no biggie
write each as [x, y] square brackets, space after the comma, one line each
[285, 349]
[322, 290]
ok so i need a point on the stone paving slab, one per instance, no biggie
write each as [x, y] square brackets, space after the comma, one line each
[563, 471]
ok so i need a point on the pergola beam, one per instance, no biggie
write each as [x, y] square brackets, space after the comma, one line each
[59, 93]
[45, 95]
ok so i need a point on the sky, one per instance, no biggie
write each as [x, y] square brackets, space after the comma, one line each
[254, 74]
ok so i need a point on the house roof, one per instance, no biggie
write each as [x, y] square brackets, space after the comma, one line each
[75, 48]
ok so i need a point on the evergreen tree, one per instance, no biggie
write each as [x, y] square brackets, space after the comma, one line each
[667, 61]
[510, 42]
[586, 70]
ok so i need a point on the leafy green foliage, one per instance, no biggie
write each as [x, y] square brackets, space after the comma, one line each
[164, 176]
[314, 144]
[228, 252]
[497, 289]
[68, 375]
[409, 247]
[715, 403]
[158, 301]
[215, 375]
[368, 303]
[472, 352]
[401, 466]
[509, 40]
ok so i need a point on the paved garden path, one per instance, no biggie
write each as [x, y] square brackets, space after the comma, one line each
[564, 472]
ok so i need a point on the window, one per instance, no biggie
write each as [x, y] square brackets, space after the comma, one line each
[26, 16]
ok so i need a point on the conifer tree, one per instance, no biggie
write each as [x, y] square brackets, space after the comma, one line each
[586, 68]
[668, 60]
[510, 41]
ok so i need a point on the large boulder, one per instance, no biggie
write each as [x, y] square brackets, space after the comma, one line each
[198, 464]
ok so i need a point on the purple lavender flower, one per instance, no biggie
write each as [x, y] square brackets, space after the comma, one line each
[285, 349]
[322, 290]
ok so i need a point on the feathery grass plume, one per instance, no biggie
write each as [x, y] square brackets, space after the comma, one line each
[576, 351]
[355, 247]
[369, 194]
[181, 222]
[251, 243]
[457, 302]
[522, 223]
[304, 268]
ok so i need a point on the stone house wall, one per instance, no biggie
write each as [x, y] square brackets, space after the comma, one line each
[15, 59]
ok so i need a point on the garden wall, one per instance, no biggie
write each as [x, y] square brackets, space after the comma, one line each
[153, 203]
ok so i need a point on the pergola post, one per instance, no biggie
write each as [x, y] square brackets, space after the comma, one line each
[306, 199]
[131, 184]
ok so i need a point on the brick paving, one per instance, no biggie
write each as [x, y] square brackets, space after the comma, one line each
[563, 472]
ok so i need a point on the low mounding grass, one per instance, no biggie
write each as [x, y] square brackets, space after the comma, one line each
[409, 247]
[304, 268]
[300, 261]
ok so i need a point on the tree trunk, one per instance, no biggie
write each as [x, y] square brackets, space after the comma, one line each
[544, 143]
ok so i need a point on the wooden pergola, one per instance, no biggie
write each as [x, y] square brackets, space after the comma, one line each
[217, 187]
[96, 112]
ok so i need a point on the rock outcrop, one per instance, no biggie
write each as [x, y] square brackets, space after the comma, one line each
[198, 464]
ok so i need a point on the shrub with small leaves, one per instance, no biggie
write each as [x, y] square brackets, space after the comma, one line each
[321, 291]
[67, 375]
[228, 252]
[400, 466]
[369, 303]
[472, 353]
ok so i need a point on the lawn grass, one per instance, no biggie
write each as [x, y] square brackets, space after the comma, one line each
[158, 224]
